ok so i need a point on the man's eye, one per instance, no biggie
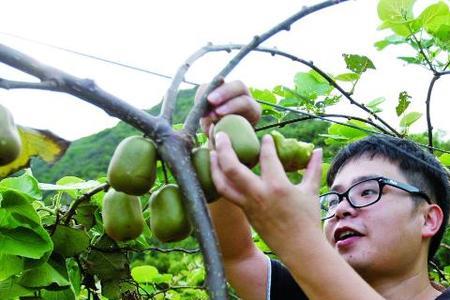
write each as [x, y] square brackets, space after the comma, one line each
[369, 192]
[334, 202]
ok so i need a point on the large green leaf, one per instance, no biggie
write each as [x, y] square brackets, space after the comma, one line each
[395, 10]
[106, 261]
[21, 232]
[11, 290]
[434, 16]
[10, 265]
[311, 85]
[70, 241]
[66, 294]
[390, 40]
[25, 184]
[358, 63]
[35, 142]
[445, 159]
[145, 274]
[50, 275]
[410, 118]
[398, 16]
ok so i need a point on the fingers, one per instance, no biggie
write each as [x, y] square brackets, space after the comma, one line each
[241, 178]
[222, 184]
[271, 166]
[313, 173]
[227, 91]
[243, 105]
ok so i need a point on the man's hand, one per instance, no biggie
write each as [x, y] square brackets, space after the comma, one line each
[275, 207]
[229, 98]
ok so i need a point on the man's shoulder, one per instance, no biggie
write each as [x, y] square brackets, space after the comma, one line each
[445, 295]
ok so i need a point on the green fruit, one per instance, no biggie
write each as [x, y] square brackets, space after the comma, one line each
[169, 221]
[294, 155]
[132, 168]
[243, 138]
[122, 216]
[202, 165]
[10, 142]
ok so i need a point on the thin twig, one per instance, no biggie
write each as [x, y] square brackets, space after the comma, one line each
[68, 216]
[428, 111]
[200, 108]
[310, 117]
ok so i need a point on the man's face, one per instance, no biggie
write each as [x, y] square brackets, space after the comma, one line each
[383, 237]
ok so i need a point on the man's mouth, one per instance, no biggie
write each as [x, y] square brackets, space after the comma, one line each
[344, 233]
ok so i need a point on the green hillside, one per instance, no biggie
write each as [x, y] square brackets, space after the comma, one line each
[89, 157]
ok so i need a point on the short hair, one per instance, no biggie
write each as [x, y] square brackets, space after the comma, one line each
[420, 168]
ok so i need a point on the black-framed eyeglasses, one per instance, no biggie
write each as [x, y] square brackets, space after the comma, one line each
[364, 193]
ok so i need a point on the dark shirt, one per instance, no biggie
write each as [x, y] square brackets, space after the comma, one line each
[283, 286]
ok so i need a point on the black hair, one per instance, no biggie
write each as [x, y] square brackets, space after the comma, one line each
[420, 168]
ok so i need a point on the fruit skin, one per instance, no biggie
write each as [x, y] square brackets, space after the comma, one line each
[122, 216]
[243, 138]
[202, 165]
[10, 142]
[294, 155]
[169, 221]
[132, 168]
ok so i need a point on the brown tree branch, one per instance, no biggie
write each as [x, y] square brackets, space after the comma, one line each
[192, 121]
[428, 111]
[173, 148]
[11, 84]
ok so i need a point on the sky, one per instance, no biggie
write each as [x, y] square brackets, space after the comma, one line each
[160, 35]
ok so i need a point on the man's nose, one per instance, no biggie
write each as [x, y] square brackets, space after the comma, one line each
[344, 209]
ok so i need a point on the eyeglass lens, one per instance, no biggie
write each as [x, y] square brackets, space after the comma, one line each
[359, 195]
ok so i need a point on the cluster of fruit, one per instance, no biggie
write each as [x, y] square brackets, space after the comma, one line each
[10, 142]
[132, 173]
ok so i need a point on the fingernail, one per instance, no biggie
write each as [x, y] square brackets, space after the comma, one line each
[222, 110]
[214, 97]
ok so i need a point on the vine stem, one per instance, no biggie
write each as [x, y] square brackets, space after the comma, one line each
[192, 121]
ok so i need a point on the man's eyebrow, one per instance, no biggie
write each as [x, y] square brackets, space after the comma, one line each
[340, 188]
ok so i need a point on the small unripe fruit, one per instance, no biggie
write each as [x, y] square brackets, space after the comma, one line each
[122, 216]
[132, 168]
[242, 136]
[10, 142]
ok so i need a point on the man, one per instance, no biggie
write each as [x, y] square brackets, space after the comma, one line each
[383, 219]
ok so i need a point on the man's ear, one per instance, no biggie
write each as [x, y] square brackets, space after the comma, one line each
[433, 218]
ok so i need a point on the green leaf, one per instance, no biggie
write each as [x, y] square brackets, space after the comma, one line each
[411, 60]
[348, 77]
[410, 118]
[264, 95]
[358, 63]
[11, 265]
[66, 294]
[70, 241]
[445, 159]
[395, 10]
[50, 275]
[390, 40]
[403, 103]
[35, 142]
[21, 232]
[290, 102]
[311, 85]
[145, 274]
[434, 16]
[375, 102]
[115, 289]
[26, 184]
[10, 289]
[108, 262]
